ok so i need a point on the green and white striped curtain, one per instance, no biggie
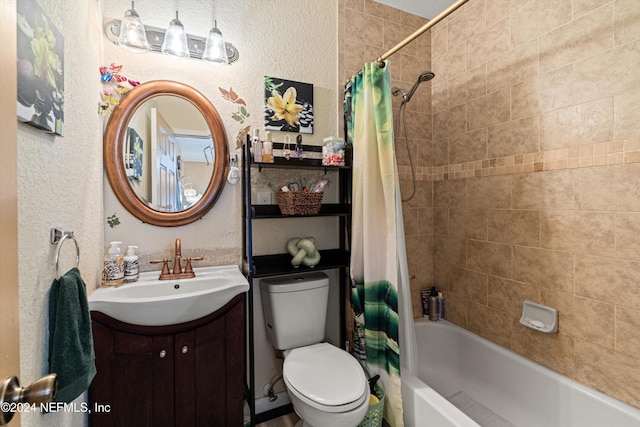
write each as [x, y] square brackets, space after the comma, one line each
[375, 221]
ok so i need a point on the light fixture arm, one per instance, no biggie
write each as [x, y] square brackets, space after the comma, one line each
[155, 36]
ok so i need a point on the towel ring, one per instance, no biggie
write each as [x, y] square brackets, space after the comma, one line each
[59, 236]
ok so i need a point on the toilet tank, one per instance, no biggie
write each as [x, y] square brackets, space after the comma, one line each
[295, 309]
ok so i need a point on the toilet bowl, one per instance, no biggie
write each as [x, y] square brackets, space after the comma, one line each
[326, 385]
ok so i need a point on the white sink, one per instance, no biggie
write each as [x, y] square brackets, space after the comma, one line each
[153, 302]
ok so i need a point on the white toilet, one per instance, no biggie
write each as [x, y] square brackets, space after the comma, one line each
[327, 385]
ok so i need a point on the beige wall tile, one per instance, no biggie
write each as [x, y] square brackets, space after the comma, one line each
[467, 86]
[439, 40]
[441, 221]
[545, 190]
[456, 310]
[514, 137]
[517, 65]
[467, 22]
[490, 192]
[469, 284]
[360, 24]
[539, 17]
[544, 268]
[508, 295]
[590, 233]
[468, 223]
[588, 123]
[582, 7]
[581, 38]
[627, 327]
[554, 351]
[450, 122]
[612, 373]
[489, 257]
[497, 10]
[517, 227]
[447, 253]
[584, 318]
[628, 235]
[625, 119]
[491, 324]
[614, 188]
[492, 42]
[489, 110]
[608, 279]
[626, 21]
[468, 146]
[450, 193]
[450, 63]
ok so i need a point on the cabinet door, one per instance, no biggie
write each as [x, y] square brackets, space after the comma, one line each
[213, 369]
[134, 377]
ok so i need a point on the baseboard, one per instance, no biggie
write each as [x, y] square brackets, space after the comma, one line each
[266, 410]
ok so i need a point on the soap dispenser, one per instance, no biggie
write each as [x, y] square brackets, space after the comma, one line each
[114, 266]
[131, 269]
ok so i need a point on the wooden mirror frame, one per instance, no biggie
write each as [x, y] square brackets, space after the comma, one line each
[114, 138]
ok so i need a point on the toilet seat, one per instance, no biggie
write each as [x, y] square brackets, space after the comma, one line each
[325, 377]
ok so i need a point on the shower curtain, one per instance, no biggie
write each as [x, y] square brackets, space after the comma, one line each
[378, 256]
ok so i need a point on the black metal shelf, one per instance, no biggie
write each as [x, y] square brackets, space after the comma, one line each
[273, 211]
[262, 266]
[279, 264]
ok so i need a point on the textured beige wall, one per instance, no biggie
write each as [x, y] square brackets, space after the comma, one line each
[535, 172]
[60, 185]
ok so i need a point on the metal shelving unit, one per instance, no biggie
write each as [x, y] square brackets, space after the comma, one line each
[262, 266]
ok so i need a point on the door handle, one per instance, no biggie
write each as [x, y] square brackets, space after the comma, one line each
[40, 391]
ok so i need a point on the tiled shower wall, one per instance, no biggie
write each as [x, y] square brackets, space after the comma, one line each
[530, 185]
[536, 180]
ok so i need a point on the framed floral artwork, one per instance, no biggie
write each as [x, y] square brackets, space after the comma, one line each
[40, 69]
[288, 105]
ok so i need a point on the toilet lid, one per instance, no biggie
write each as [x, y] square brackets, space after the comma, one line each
[325, 374]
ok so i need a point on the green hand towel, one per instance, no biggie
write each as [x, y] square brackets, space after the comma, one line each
[71, 353]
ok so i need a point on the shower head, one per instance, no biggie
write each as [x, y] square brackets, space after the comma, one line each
[425, 76]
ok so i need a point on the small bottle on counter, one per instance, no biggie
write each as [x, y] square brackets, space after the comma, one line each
[267, 148]
[114, 266]
[131, 267]
[433, 304]
[256, 146]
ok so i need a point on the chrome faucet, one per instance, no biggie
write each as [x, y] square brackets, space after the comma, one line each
[177, 273]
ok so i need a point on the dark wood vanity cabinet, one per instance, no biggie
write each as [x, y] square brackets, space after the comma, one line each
[182, 375]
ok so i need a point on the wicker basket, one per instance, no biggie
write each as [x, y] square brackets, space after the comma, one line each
[298, 203]
[374, 413]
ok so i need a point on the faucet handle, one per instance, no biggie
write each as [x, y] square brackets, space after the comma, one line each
[165, 265]
[188, 268]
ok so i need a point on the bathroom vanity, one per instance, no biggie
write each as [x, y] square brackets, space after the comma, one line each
[190, 374]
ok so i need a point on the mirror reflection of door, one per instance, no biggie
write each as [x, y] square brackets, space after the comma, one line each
[164, 179]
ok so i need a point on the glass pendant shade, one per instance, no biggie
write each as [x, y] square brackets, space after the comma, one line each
[132, 35]
[175, 40]
[215, 49]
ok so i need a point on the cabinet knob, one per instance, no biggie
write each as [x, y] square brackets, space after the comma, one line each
[185, 349]
[163, 354]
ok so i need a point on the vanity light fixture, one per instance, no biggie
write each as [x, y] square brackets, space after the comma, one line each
[213, 48]
[175, 39]
[132, 35]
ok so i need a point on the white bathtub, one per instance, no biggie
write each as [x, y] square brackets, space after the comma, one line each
[496, 387]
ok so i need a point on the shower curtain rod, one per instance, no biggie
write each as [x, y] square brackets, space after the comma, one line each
[419, 31]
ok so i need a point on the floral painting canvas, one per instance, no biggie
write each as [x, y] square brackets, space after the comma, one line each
[40, 69]
[288, 105]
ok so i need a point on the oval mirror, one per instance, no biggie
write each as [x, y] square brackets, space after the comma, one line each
[166, 154]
